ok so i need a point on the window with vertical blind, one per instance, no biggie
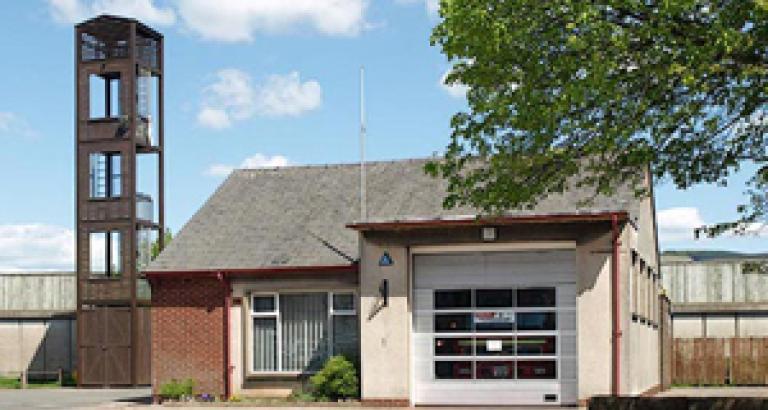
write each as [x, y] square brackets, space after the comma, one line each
[297, 332]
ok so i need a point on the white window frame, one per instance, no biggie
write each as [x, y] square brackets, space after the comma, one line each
[279, 326]
[474, 357]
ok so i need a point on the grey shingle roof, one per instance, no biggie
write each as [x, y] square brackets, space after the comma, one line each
[261, 218]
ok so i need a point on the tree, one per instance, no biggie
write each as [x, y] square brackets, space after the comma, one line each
[580, 93]
[167, 238]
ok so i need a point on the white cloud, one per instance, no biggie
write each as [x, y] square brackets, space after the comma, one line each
[240, 20]
[234, 97]
[454, 90]
[215, 118]
[75, 11]
[678, 224]
[432, 6]
[36, 247]
[287, 95]
[255, 161]
[6, 120]
[13, 124]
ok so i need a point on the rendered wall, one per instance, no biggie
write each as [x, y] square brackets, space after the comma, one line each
[385, 333]
[254, 385]
[37, 345]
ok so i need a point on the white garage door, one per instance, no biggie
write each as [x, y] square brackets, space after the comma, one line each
[495, 328]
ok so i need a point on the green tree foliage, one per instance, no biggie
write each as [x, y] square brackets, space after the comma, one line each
[168, 237]
[337, 380]
[582, 93]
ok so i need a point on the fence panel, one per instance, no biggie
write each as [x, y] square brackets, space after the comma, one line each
[719, 361]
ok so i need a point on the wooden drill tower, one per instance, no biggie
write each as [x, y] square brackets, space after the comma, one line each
[119, 124]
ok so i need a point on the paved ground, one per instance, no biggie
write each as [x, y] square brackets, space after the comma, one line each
[133, 399]
[55, 399]
[716, 392]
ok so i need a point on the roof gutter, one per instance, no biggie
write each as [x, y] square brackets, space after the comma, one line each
[245, 272]
[495, 220]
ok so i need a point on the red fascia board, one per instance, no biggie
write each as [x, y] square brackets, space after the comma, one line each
[499, 220]
[245, 272]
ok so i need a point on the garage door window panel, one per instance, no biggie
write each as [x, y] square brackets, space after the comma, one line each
[536, 345]
[453, 299]
[537, 370]
[496, 346]
[495, 370]
[453, 370]
[453, 322]
[536, 321]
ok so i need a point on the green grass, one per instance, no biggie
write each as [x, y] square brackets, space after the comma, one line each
[15, 383]
[9, 383]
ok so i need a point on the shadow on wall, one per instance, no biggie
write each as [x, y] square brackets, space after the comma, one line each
[39, 346]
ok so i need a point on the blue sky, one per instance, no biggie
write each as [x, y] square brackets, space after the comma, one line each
[248, 83]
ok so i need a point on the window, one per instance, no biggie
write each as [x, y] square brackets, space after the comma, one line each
[495, 333]
[105, 255]
[297, 332]
[105, 175]
[104, 96]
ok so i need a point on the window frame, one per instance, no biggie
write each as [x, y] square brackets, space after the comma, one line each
[112, 190]
[476, 335]
[109, 257]
[330, 313]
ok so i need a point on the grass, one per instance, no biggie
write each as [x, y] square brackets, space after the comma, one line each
[14, 383]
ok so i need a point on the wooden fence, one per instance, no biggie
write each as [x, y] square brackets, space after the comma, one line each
[720, 361]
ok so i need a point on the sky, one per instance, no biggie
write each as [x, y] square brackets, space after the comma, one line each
[248, 84]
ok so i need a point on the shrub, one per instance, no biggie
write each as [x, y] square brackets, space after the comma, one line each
[175, 390]
[336, 380]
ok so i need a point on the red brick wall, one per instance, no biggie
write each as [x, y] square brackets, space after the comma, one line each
[188, 333]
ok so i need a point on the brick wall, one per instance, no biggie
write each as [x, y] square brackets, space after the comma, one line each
[188, 333]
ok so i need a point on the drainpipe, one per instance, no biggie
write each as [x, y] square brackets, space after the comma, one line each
[227, 359]
[615, 284]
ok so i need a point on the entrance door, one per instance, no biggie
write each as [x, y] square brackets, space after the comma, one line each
[495, 328]
[105, 346]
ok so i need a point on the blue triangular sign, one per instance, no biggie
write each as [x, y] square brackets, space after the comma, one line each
[386, 260]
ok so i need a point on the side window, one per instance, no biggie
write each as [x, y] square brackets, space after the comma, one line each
[105, 175]
[105, 256]
[104, 95]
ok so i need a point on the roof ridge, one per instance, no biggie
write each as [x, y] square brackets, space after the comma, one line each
[332, 165]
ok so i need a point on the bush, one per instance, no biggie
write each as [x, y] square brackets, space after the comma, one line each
[337, 380]
[175, 390]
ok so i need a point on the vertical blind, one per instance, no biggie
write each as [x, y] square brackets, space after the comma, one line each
[298, 333]
[304, 320]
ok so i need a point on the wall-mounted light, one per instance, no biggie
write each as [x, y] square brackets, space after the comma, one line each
[384, 292]
[488, 234]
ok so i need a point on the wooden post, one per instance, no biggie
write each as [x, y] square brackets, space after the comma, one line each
[61, 377]
[23, 379]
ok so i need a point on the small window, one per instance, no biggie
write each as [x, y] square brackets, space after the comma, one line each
[453, 322]
[105, 175]
[263, 304]
[453, 370]
[499, 321]
[494, 298]
[105, 256]
[453, 299]
[343, 303]
[536, 297]
[495, 370]
[536, 321]
[453, 347]
[544, 369]
[104, 95]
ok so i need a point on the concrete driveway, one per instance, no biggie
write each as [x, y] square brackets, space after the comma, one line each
[69, 398]
[734, 391]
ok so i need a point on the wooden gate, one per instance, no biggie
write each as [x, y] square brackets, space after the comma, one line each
[720, 361]
[105, 347]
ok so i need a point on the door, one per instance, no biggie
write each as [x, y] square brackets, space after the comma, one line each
[495, 328]
[106, 346]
